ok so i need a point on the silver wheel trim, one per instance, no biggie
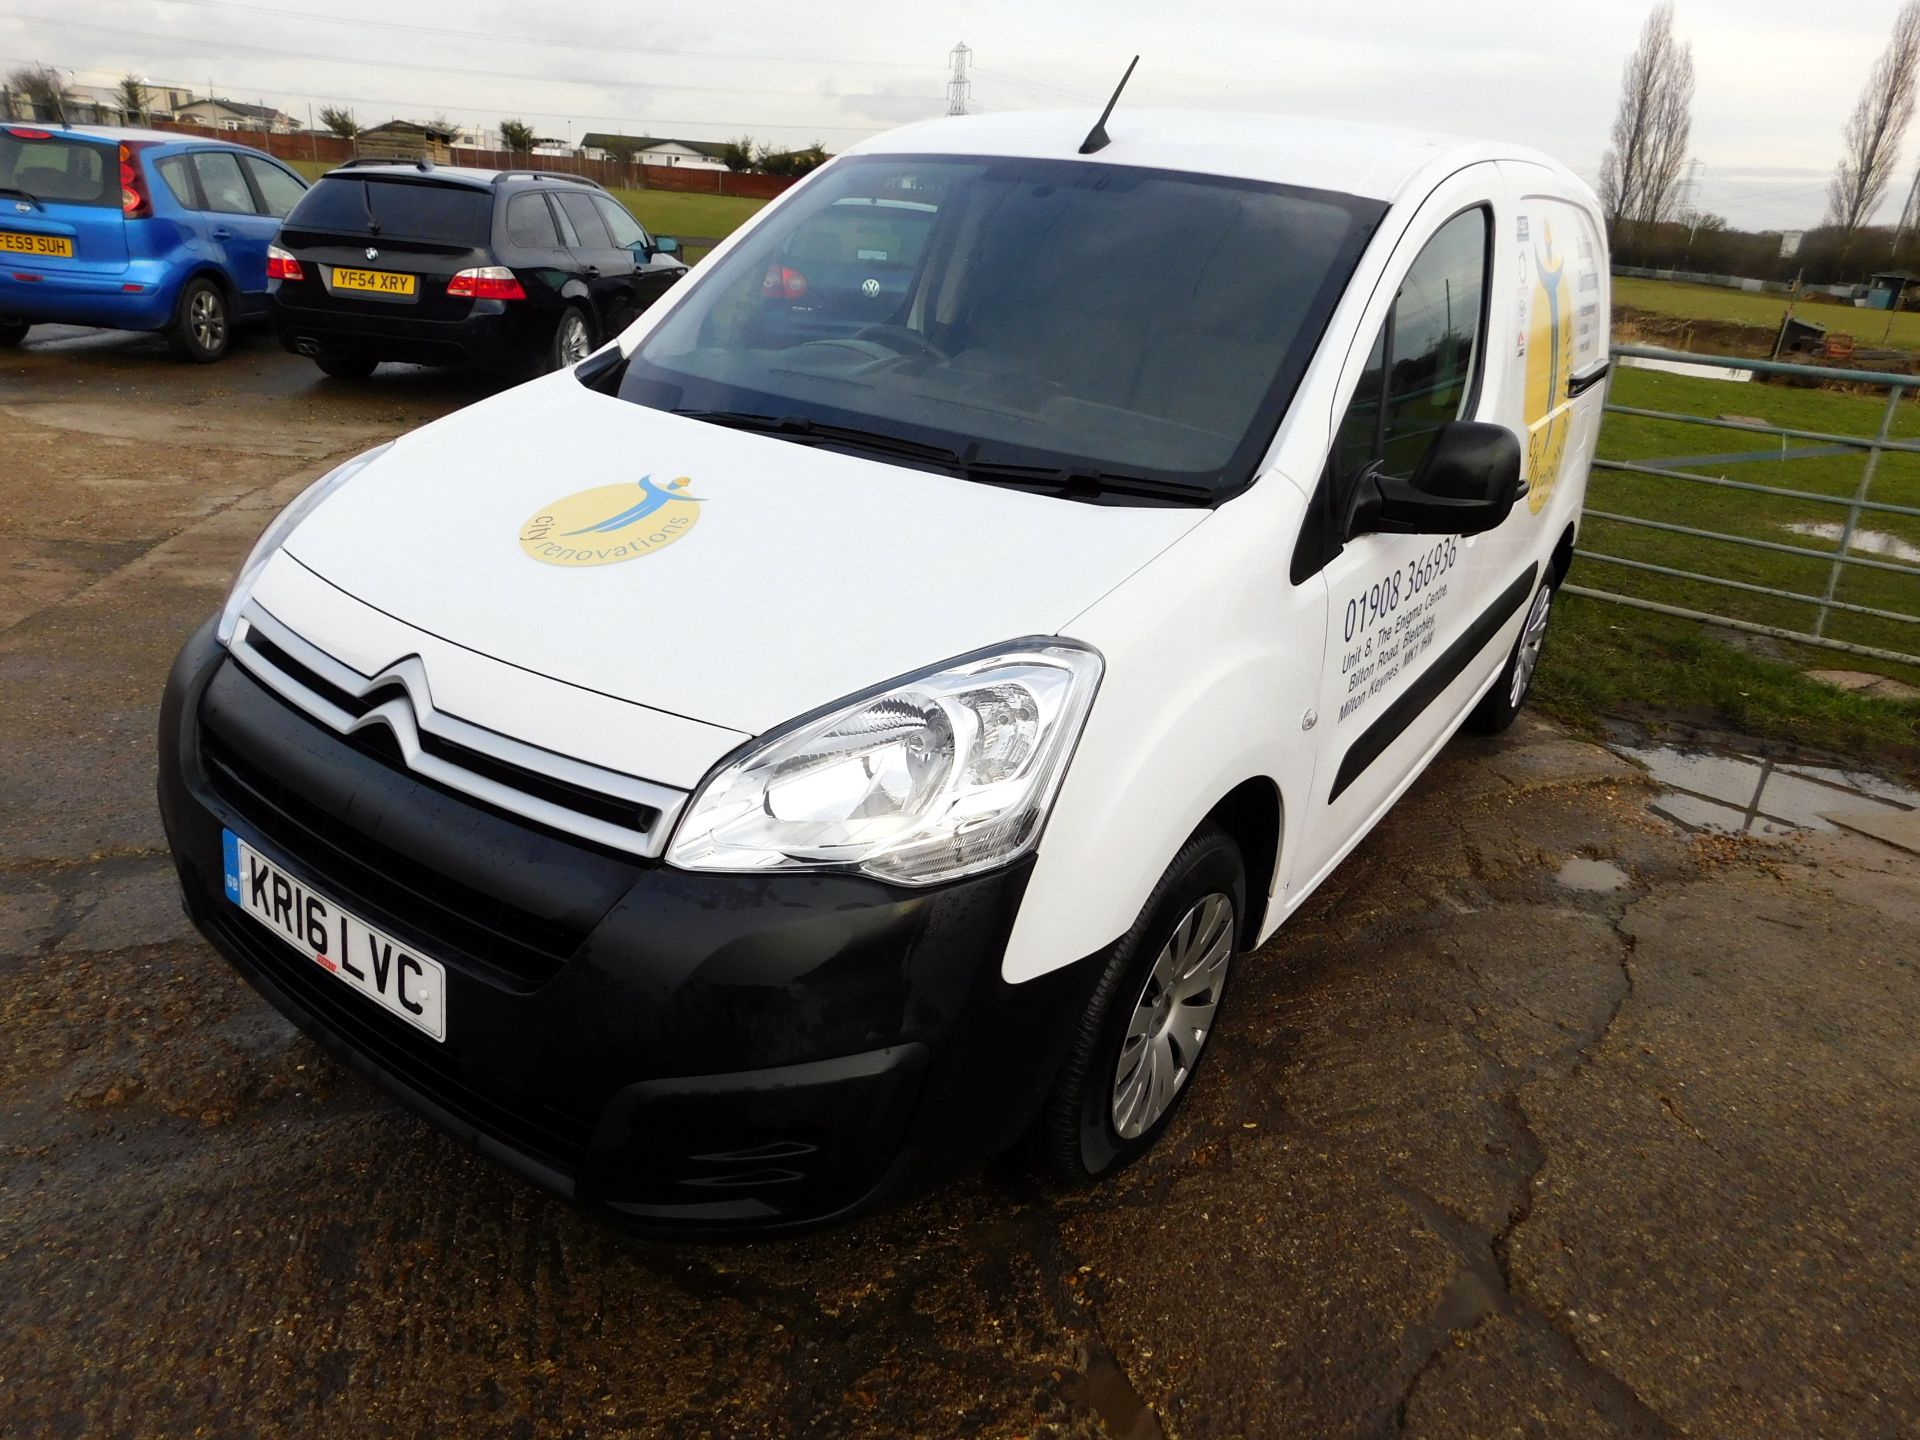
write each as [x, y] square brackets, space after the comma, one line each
[1532, 637]
[573, 339]
[207, 318]
[1173, 1016]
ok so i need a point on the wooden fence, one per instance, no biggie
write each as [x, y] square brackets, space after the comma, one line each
[628, 174]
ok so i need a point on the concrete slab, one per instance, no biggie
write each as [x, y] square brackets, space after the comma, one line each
[1900, 828]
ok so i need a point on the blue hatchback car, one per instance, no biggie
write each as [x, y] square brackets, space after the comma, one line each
[136, 230]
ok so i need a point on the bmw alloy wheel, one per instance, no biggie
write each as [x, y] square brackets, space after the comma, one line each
[1173, 1016]
[574, 340]
[1532, 638]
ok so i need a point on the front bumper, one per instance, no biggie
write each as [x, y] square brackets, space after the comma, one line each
[677, 1052]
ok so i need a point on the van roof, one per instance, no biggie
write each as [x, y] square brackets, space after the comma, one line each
[1366, 160]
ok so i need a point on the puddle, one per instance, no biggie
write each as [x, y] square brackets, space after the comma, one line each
[1592, 877]
[1746, 795]
[1867, 542]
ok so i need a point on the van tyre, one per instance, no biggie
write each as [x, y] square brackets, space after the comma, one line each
[573, 338]
[1500, 705]
[345, 367]
[1151, 1016]
[12, 332]
[203, 322]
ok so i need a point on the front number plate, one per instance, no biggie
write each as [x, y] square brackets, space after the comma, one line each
[378, 282]
[400, 981]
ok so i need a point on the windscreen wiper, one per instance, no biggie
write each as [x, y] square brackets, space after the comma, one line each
[797, 427]
[1071, 482]
[1085, 482]
[23, 194]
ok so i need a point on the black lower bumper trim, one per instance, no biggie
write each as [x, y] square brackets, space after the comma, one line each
[715, 1053]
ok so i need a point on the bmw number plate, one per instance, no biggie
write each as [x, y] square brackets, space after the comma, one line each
[380, 282]
[401, 982]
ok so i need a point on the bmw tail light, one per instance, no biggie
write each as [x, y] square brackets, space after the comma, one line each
[135, 202]
[486, 282]
[282, 266]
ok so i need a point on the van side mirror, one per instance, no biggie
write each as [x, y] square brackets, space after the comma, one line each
[1465, 484]
[665, 245]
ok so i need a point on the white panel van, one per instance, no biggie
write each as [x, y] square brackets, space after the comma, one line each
[868, 712]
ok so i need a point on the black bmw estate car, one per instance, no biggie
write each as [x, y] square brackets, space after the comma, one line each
[513, 270]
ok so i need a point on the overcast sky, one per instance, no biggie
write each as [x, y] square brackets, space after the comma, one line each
[1777, 78]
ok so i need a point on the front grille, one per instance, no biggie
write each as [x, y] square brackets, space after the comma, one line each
[391, 715]
[552, 1136]
[454, 922]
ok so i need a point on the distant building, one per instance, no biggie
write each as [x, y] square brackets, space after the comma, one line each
[476, 137]
[405, 140]
[97, 105]
[656, 150]
[221, 114]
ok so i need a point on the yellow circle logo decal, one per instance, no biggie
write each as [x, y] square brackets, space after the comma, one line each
[611, 523]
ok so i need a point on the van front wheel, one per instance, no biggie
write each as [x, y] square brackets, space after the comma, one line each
[1500, 705]
[1150, 1017]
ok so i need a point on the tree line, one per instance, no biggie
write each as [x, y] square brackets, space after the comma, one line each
[1652, 222]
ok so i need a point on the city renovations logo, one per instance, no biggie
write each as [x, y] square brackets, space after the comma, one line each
[611, 523]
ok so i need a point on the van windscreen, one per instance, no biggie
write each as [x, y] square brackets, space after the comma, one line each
[1056, 316]
[58, 171]
[395, 210]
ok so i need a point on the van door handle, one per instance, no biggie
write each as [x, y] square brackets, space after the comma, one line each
[1584, 380]
[223, 234]
[593, 272]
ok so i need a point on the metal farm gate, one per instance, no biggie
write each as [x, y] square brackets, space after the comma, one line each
[1738, 565]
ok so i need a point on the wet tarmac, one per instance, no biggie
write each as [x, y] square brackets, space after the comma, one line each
[1547, 1116]
[1730, 791]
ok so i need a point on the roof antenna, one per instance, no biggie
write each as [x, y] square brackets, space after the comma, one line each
[1097, 137]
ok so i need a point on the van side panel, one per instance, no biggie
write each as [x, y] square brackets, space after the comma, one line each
[1212, 661]
[1563, 323]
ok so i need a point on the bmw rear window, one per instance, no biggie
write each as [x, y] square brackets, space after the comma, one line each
[396, 210]
[59, 171]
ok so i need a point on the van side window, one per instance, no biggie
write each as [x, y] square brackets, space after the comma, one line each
[1425, 359]
[1422, 372]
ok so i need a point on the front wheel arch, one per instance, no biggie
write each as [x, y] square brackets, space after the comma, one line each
[1254, 815]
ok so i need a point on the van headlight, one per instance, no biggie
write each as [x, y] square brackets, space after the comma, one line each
[934, 777]
[283, 525]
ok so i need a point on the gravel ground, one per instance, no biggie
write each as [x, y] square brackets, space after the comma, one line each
[1490, 1145]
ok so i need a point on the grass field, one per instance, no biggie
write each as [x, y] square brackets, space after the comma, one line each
[665, 212]
[1608, 657]
[1743, 307]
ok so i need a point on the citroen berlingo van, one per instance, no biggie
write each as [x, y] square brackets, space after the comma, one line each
[866, 713]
